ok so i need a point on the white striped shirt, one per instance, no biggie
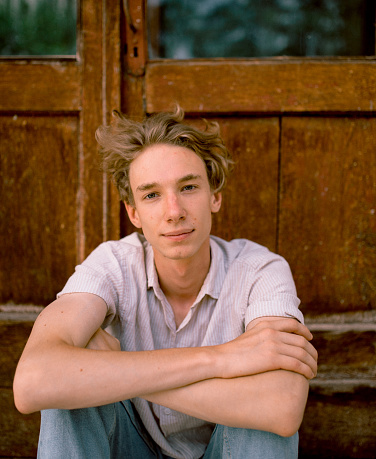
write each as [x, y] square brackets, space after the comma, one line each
[245, 281]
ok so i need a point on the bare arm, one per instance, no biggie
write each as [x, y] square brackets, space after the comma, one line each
[56, 371]
[273, 401]
[73, 377]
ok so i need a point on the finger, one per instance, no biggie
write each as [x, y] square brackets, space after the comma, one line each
[295, 358]
[288, 326]
[300, 354]
[299, 341]
[295, 365]
[306, 359]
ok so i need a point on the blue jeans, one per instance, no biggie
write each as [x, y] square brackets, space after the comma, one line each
[115, 431]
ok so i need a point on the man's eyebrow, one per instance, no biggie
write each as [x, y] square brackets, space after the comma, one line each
[146, 186]
[189, 177]
[149, 186]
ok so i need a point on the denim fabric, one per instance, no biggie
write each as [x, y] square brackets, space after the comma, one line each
[115, 431]
[230, 442]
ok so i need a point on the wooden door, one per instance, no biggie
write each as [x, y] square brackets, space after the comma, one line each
[303, 134]
[56, 206]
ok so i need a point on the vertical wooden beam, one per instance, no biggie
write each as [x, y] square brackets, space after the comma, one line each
[134, 46]
[90, 194]
[99, 53]
[111, 100]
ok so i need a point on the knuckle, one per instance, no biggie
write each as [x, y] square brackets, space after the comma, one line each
[293, 324]
[301, 354]
[268, 333]
[273, 359]
[297, 366]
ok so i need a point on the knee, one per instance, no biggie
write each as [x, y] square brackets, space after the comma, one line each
[232, 442]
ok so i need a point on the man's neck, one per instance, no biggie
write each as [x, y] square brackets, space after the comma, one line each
[181, 281]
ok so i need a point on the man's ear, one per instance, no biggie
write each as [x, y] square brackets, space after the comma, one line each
[133, 215]
[216, 201]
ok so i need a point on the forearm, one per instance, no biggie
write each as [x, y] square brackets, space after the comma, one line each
[273, 401]
[56, 369]
[67, 377]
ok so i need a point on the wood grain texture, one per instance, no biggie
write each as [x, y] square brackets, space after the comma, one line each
[346, 355]
[18, 432]
[339, 425]
[249, 208]
[112, 97]
[39, 86]
[327, 225]
[91, 182]
[261, 86]
[13, 339]
[38, 188]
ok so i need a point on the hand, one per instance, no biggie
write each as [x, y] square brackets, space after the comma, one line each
[279, 344]
[103, 341]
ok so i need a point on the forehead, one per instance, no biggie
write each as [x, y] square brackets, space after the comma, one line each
[161, 162]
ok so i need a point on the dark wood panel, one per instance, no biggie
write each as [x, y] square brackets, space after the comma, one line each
[327, 227]
[13, 339]
[38, 189]
[222, 86]
[249, 206]
[346, 353]
[48, 86]
[18, 432]
[339, 425]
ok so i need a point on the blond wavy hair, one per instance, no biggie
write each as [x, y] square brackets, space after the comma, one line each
[124, 140]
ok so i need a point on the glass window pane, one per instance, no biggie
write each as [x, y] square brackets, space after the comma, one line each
[38, 27]
[183, 29]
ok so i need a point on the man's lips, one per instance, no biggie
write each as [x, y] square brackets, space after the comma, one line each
[178, 233]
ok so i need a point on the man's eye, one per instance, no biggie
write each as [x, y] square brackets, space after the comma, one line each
[150, 196]
[189, 187]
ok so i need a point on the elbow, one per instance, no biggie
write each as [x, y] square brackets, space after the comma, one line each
[24, 393]
[288, 420]
[291, 407]
[21, 401]
[288, 427]
[289, 404]
[22, 404]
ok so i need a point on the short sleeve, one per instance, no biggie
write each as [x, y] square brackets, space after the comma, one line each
[99, 274]
[273, 291]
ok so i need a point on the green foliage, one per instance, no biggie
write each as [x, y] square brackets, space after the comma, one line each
[259, 28]
[37, 27]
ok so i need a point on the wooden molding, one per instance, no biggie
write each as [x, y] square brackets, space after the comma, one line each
[262, 86]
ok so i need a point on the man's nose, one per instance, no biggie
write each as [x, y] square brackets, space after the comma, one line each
[174, 208]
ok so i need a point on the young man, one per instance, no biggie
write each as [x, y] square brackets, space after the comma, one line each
[211, 357]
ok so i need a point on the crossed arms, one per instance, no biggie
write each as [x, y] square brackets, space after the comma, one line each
[258, 381]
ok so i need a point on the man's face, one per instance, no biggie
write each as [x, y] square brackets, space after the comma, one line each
[173, 201]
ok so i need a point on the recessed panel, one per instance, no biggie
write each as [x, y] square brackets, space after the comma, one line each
[38, 188]
[249, 206]
[328, 211]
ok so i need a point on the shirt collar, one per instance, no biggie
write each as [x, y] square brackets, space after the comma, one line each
[213, 282]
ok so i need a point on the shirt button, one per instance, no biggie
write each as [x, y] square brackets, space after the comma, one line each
[167, 411]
